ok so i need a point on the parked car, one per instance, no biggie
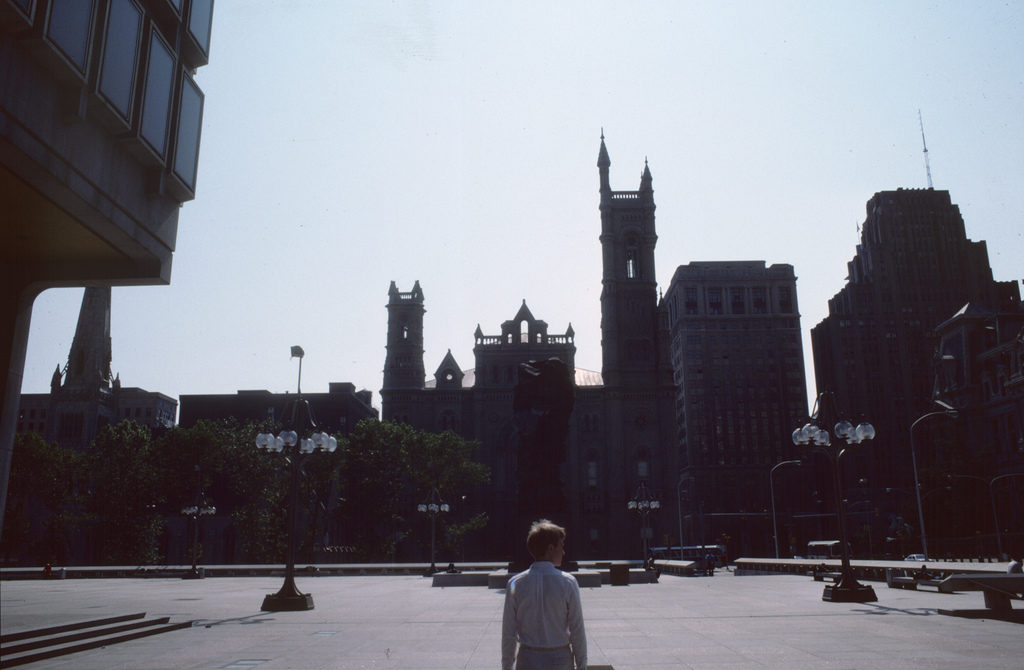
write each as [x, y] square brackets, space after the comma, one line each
[915, 557]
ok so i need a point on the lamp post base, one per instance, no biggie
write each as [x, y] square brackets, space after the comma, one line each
[288, 603]
[849, 593]
[288, 599]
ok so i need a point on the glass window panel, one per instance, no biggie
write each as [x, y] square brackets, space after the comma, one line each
[68, 28]
[26, 7]
[156, 107]
[121, 55]
[189, 122]
[199, 22]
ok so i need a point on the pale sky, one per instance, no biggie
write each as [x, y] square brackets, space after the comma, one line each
[349, 144]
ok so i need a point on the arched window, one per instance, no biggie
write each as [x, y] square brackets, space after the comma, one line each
[631, 268]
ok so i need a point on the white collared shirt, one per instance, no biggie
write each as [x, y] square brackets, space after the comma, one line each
[543, 610]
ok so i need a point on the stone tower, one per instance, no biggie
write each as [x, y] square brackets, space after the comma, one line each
[403, 364]
[629, 298]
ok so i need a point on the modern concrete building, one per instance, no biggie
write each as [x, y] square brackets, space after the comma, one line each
[622, 427]
[739, 369]
[913, 269]
[100, 119]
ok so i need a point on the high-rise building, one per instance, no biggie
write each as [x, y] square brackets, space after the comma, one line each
[913, 269]
[739, 369]
[622, 427]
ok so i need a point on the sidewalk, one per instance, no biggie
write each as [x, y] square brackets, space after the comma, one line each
[718, 623]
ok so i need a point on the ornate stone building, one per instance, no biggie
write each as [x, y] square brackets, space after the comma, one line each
[84, 396]
[622, 428]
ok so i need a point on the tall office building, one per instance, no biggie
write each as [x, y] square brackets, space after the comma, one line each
[914, 268]
[739, 369]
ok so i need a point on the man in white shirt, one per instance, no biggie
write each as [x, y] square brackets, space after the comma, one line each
[542, 609]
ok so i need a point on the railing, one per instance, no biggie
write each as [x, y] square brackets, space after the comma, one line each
[625, 195]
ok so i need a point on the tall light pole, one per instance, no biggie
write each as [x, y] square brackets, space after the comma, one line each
[679, 503]
[298, 420]
[948, 412]
[643, 503]
[771, 488]
[433, 506]
[847, 589]
[194, 512]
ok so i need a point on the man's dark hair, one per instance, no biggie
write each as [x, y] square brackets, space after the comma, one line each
[543, 533]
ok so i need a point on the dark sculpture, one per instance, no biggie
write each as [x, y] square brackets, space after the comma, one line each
[542, 402]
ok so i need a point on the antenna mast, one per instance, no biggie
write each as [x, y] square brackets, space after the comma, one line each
[927, 166]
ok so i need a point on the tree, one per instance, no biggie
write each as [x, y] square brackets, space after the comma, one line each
[219, 460]
[386, 469]
[43, 506]
[124, 495]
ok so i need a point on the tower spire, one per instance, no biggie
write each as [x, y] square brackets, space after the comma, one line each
[603, 163]
[89, 358]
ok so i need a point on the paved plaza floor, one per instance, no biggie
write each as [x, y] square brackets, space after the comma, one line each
[725, 622]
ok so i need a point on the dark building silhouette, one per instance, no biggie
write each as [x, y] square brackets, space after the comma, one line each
[83, 397]
[914, 267]
[979, 369]
[738, 361]
[335, 412]
[622, 428]
[100, 120]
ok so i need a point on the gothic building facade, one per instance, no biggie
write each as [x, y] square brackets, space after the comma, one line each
[622, 428]
[84, 396]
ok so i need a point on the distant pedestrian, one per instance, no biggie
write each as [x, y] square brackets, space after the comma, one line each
[1014, 566]
[543, 612]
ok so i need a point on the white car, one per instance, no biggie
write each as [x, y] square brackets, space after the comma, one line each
[915, 557]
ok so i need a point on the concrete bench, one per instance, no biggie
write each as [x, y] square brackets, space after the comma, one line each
[998, 589]
[902, 581]
[587, 579]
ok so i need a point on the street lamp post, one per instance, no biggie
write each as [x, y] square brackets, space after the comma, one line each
[194, 512]
[771, 488]
[433, 506]
[951, 413]
[847, 589]
[643, 503]
[298, 420]
[679, 503]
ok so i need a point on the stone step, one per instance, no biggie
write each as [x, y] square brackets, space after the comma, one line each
[54, 641]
